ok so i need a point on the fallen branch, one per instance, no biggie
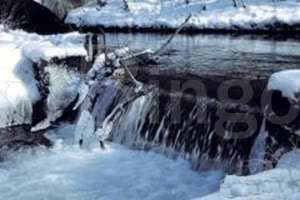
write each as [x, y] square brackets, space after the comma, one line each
[162, 48]
[139, 85]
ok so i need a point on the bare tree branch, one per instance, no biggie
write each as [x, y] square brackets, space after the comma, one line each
[162, 48]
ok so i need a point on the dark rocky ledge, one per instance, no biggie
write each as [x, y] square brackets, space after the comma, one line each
[31, 17]
[12, 138]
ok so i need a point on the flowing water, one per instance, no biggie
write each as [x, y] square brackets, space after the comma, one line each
[68, 172]
[124, 172]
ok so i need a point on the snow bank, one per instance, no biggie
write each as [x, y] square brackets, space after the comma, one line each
[283, 182]
[18, 87]
[219, 14]
[36, 47]
[37, 51]
[59, 46]
[287, 82]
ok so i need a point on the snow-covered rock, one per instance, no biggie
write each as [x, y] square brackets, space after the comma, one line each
[219, 14]
[287, 82]
[16, 97]
[19, 89]
[98, 66]
[45, 51]
[283, 182]
[59, 46]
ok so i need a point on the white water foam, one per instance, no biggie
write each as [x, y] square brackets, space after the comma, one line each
[68, 172]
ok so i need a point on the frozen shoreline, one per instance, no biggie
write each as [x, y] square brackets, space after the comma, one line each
[219, 16]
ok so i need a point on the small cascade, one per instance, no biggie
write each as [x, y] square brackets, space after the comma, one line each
[202, 129]
[176, 125]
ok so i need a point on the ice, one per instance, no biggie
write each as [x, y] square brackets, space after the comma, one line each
[63, 90]
[287, 82]
[220, 14]
[16, 97]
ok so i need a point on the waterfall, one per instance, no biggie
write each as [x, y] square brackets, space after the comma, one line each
[174, 124]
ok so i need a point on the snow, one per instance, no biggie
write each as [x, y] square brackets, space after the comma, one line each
[68, 172]
[98, 66]
[18, 87]
[287, 82]
[60, 46]
[15, 97]
[36, 47]
[220, 14]
[283, 182]
[37, 51]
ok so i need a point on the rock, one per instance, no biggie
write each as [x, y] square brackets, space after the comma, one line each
[30, 16]
[20, 136]
[287, 82]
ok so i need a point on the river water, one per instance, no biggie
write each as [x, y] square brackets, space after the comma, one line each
[254, 56]
[68, 172]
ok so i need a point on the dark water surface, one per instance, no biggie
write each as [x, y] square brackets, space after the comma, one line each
[239, 56]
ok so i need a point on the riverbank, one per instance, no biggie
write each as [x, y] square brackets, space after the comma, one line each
[207, 16]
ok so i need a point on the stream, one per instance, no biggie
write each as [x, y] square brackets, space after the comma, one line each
[121, 172]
